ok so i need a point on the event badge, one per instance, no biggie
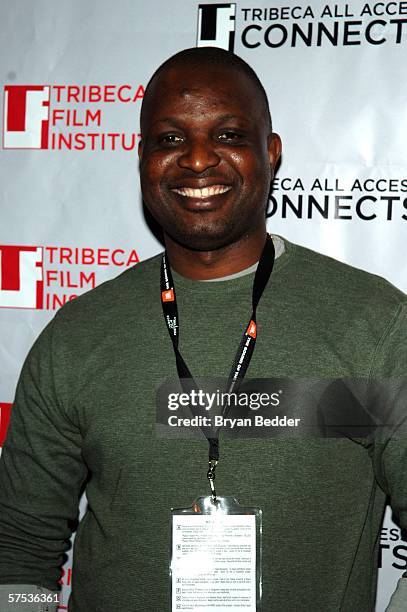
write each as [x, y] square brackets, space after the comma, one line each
[216, 556]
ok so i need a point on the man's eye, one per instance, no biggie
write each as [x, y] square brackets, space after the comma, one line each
[229, 135]
[170, 139]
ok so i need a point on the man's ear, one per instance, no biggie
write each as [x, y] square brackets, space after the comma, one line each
[140, 149]
[274, 147]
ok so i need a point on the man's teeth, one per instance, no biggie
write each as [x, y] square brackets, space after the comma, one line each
[205, 192]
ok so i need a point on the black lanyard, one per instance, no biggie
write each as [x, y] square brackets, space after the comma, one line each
[246, 347]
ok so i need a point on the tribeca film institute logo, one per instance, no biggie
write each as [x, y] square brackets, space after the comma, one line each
[216, 26]
[46, 277]
[21, 277]
[26, 117]
[65, 117]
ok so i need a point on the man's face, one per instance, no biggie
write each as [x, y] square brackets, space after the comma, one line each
[206, 157]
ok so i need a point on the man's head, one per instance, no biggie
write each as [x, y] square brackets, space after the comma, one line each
[208, 153]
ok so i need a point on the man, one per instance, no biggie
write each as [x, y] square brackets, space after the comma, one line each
[85, 403]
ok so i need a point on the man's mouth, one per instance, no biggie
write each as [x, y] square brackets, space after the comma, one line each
[203, 192]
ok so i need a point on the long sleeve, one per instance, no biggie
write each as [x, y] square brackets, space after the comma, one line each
[389, 378]
[41, 473]
[389, 451]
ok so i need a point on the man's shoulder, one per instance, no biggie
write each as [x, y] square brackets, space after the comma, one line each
[116, 296]
[340, 294]
[339, 276]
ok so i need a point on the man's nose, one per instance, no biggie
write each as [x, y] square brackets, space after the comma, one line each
[199, 155]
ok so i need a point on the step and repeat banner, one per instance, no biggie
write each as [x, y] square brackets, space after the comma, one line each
[73, 75]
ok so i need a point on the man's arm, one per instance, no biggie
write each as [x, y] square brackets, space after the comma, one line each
[41, 472]
[389, 450]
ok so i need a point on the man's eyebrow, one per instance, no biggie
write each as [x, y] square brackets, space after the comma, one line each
[164, 120]
[232, 118]
[176, 121]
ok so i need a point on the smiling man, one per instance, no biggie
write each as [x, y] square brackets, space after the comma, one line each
[84, 412]
[207, 159]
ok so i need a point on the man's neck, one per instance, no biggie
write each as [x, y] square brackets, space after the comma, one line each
[207, 265]
[279, 249]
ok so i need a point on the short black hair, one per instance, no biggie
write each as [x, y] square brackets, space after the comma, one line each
[217, 57]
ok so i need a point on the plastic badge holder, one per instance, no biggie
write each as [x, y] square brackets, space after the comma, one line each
[216, 557]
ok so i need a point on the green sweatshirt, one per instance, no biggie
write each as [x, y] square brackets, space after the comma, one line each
[84, 413]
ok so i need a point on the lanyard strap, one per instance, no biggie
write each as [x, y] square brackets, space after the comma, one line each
[246, 347]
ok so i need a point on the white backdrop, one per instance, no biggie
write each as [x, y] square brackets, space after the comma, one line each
[73, 74]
